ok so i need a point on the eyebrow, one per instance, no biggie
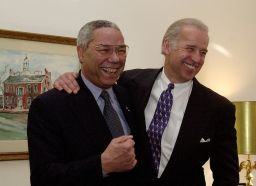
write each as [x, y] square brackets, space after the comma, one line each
[106, 45]
[194, 46]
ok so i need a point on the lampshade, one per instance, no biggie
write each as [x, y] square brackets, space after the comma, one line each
[246, 126]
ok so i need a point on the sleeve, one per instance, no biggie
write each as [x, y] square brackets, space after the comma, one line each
[224, 157]
[49, 163]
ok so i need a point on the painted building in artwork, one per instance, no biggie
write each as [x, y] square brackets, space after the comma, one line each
[21, 87]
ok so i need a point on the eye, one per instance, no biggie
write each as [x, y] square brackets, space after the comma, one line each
[190, 49]
[121, 50]
[203, 53]
[103, 50]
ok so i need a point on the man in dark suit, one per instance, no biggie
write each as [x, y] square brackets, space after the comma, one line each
[201, 122]
[71, 140]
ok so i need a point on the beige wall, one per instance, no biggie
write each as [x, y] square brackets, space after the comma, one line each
[14, 173]
[230, 64]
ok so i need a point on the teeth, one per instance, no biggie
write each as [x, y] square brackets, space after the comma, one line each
[110, 70]
[191, 66]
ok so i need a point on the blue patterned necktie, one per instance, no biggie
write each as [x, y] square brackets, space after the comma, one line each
[111, 116]
[159, 122]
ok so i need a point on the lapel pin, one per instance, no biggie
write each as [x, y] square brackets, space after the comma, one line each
[127, 108]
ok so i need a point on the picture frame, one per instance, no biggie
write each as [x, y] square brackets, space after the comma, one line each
[40, 46]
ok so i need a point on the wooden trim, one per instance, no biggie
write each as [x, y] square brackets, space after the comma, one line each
[5, 156]
[37, 37]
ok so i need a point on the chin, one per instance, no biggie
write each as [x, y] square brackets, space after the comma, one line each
[189, 76]
[108, 84]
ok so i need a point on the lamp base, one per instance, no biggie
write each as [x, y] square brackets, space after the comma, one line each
[247, 165]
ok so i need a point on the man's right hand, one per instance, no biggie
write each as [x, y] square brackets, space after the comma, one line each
[67, 81]
[119, 156]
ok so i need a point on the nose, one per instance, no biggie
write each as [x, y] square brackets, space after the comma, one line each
[196, 56]
[114, 58]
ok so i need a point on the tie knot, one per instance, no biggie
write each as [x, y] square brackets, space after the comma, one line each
[104, 94]
[170, 86]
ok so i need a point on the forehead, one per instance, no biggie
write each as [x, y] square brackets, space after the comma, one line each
[191, 35]
[108, 35]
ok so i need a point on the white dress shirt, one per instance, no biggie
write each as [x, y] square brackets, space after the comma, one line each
[181, 93]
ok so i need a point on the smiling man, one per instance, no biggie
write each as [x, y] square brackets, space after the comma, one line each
[103, 60]
[185, 54]
[201, 122]
[84, 139]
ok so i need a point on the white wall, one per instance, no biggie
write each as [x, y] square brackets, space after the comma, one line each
[14, 173]
[143, 22]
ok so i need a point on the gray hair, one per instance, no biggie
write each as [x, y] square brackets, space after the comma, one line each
[174, 29]
[85, 34]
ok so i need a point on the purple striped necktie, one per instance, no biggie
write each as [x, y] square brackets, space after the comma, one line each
[159, 123]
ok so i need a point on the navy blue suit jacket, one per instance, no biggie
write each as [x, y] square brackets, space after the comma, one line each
[67, 134]
[208, 115]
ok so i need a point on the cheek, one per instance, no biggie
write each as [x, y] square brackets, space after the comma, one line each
[202, 60]
[179, 56]
[96, 62]
[122, 62]
[185, 55]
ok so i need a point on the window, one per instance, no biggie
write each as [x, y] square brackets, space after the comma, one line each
[29, 90]
[36, 88]
[19, 91]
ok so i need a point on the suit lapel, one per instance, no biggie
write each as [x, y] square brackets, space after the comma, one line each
[193, 106]
[145, 88]
[124, 102]
[141, 93]
[85, 99]
[84, 104]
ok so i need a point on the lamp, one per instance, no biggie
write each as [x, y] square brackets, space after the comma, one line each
[246, 135]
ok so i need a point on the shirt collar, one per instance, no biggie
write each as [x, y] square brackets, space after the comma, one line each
[95, 90]
[166, 81]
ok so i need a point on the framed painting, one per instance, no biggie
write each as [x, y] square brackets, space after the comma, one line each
[29, 64]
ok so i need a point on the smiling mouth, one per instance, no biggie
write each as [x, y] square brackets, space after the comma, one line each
[110, 70]
[191, 66]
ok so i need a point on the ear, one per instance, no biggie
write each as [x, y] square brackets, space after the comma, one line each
[80, 53]
[166, 47]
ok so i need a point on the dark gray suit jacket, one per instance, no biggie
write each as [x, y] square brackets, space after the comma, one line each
[66, 136]
[208, 115]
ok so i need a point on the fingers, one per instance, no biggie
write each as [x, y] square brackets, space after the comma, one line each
[57, 85]
[130, 160]
[131, 164]
[66, 88]
[124, 143]
[123, 138]
[74, 74]
[119, 156]
[67, 81]
[75, 87]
